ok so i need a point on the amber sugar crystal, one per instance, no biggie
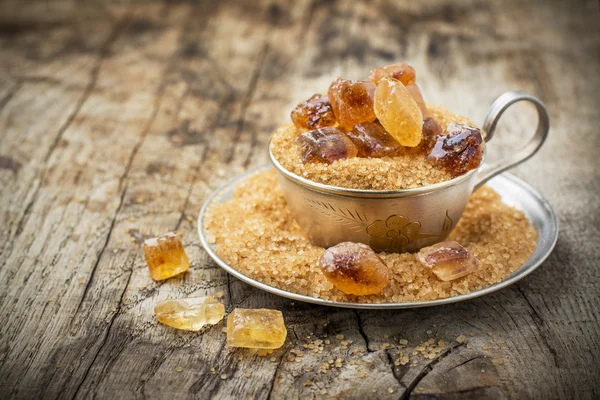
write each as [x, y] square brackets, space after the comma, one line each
[398, 112]
[165, 256]
[459, 151]
[400, 71]
[354, 268]
[372, 140]
[408, 170]
[190, 314]
[415, 92]
[430, 134]
[313, 113]
[448, 260]
[352, 101]
[325, 145]
[256, 328]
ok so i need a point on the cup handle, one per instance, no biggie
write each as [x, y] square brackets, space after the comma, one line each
[489, 170]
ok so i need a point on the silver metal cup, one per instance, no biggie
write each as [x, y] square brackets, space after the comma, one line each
[400, 220]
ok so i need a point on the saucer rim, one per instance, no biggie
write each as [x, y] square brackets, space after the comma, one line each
[543, 219]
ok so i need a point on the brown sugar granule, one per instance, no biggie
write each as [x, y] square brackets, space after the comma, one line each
[255, 233]
[386, 173]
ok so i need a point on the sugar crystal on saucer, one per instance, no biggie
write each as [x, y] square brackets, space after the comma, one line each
[354, 268]
[448, 260]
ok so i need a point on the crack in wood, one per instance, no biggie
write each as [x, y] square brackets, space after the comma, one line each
[275, 373]
[294, 332]
[4, 101]
[229, 288]
[466, 362]
[426, 370]
[105, 338]
[233, 305]
[253, 136]
[393, 367]
[248, 99]
[361, 330]
[104, 50]
[192, 185]
[537, 320]
[155, 108]
[101, 252]
[153, 367]
[199, 383]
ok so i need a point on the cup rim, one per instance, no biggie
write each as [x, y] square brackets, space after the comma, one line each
[370, 193]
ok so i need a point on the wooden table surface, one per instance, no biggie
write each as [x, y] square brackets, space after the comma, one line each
[116, 117]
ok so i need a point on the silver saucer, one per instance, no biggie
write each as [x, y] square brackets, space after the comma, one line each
[514, 192]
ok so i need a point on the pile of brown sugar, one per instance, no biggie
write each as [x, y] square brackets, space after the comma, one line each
[387, 173]
[255, 233]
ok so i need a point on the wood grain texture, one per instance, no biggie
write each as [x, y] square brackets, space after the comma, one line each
[118, 120]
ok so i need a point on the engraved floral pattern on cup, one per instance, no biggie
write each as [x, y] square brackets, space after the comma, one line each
[397, 231]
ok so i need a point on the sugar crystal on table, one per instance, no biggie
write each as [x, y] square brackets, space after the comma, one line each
[314, 113]
[354, 268]
[191, 314]
[372, 140]
[459, 150]
[398, 112]
[165, 256]
[448, 260]
[325, 145]
[400, 71]
[256, 328]
[352, 101]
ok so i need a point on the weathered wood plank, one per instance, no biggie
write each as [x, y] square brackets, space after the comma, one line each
[125, 117]
[187, 140]
[78, 170]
